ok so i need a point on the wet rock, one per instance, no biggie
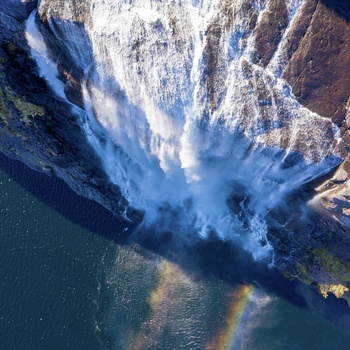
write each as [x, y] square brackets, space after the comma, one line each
[269, 30]
[334, 196]
[300, 26]
[39, 128]
[19, 10]
[320, 59]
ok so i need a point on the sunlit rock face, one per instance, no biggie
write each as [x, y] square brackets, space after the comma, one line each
[212, 116]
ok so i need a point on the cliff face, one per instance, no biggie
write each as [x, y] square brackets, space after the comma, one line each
[279, 67]
[316, 61]
[319, 59]
[317, 69]
[38, 127]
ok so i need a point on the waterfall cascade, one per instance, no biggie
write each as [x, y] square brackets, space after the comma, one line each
[182, 114]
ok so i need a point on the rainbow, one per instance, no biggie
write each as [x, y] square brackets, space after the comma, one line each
[162, 300]
[165, 297]
[240, 308]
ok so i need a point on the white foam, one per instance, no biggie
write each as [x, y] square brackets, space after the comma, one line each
[47, 68]
[147, 116]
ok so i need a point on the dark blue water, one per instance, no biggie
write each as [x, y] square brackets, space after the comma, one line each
[71, 279]
[49, 268]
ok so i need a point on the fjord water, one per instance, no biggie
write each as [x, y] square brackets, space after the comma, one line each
[66, 287]
[49, 273]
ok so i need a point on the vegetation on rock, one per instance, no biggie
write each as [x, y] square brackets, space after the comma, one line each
[337, 289]
[25, 108]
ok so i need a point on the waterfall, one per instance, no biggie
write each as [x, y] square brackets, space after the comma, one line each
[183, 118]
[47, 67]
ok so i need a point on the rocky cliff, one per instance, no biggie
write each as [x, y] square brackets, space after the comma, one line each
[288, 91]
[38, 127]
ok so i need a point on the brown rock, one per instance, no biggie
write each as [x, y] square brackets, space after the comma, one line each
[319, 66]
[334, 195]
[75, 10]
[301, 24]
[270, 30]
[215, 66]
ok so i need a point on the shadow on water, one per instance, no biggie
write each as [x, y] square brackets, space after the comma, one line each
[196, 256]
[229, 262]
[55, 193]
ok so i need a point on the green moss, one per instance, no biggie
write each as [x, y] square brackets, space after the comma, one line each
[11, 46]
[332, 266]
[329, 235]
[3, 110]
[25, 108]
[303, 274]
[338, 269]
